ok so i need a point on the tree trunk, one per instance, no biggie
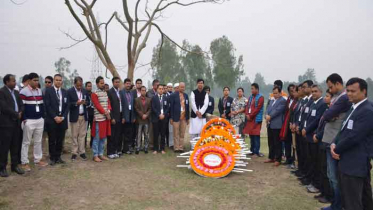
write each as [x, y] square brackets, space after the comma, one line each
[113, 70]
[131, 70]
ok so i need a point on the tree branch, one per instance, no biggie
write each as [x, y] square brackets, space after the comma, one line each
[16, 3]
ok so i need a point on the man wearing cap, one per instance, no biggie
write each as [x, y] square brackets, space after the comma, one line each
[176, 87]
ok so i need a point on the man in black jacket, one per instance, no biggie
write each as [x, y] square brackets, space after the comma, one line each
[351, 148]
[56, 105]
[90, 110]
[159, 119]
[78, 100]
[116, 118]
[11, 108]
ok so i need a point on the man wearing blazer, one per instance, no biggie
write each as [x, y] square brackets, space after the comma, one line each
[128, 118]
[351, 148]
[310, 126]
[78, 117]
[11, 108]
[225, 104]
[275, 118]
[159, 119]
[179, 107]
[116, 120]
[143, 109]
[57, 108]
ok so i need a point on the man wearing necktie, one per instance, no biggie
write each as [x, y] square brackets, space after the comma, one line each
[159, 119]
[353, 148]
[56, 104]
[128, 118]
[11, 108]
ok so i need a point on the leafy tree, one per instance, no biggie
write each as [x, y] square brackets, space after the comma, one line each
[310, 74]
[370, 88]
[227, 69]
[166, 63]
[1, 81]
[63, 67]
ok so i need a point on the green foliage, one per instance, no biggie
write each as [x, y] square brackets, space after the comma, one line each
[370, 88]
[308, 75]
[227, 69]
[166, 63]
[63, 67]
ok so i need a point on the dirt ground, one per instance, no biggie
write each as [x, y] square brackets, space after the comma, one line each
[152, 182]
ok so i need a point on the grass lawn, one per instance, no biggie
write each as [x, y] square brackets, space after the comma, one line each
[152, 182]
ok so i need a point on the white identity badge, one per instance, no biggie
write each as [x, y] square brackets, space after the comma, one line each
[305, 124]
[186, 101]
[350, 124]
[313, 113]
[181, 109]
[37, 108]
[130, 107]
[307, 110]
[161, 111]
[165, 103]
[60, 108]
[228, 104]
[65, 100]
[210, 103]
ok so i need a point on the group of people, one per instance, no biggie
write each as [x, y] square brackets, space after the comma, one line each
[129, 117]
[327, 138]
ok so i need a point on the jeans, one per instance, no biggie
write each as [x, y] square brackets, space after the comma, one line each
[98, 144]
[332, 165]
[143, 129]
[255, 144]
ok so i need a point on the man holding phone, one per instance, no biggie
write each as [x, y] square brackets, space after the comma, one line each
[78, 100]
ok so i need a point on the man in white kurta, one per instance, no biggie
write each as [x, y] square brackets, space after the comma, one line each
[199, 100]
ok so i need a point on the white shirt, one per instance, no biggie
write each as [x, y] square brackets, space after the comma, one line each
[80, 97]
[354, 106]
[120, 101]
[60, 97]
[315, 102]
[202, 109]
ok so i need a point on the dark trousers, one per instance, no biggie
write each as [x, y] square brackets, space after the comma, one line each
[288, 147]
[56, 138]
[159, 128]
[356, 192]
[325, 188]
[126, 142]
[303, 155]
[312, 163]
[114, 139]
[167, 133]
[20, 140]
[255, 144]
[9, 141]
[134, 134]
[298, 140]
[274, 144]
[89, 126]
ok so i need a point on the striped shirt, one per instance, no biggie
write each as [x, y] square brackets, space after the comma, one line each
[33, 101]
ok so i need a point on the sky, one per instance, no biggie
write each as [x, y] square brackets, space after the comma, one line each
[278, 38]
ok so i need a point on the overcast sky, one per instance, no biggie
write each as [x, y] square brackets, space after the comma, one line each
[278, 38]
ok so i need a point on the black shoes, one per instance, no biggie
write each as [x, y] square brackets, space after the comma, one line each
[137, 152]
[83, 156]
[73, 157]
[60, 161]
[52, 162]
[18, 170]
[4, 173]
[146, 151]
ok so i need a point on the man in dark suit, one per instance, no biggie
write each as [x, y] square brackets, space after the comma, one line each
[179, 107]
[159, 119]
[351, 148]
[152, 92]
[11, 108]
[275, 118]
[136, 93]
[78, 116]
[305, 110]
[128, 117]
[57, 108]
[116, 120]
[225, 104]
[311, 123]
[211, 107]
[143, 109]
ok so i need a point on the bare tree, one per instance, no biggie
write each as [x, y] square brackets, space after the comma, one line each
[138, 28]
